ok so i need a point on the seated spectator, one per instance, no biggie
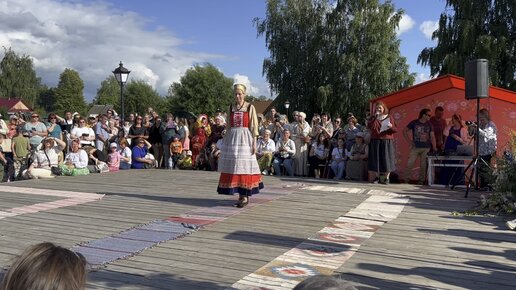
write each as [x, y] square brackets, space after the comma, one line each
[96, 160]
[44, 159]
[264, 152]
[113, 158]
[141, 159]
[323, 282]
[338, 159]
[318, 155]
[285, 150]
[46, 266]
[356, 168]
[83, 134]
[186, 162]
[125, 154]
[176, 149]
[76, 161]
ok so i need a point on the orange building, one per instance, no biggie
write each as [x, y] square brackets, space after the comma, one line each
[449, 92]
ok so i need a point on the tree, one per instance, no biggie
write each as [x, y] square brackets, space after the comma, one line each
[18, 79]
[47, 99]
[69, 92]
[203, 89]
[342, 54]
[108, 93]
[474, 29]
[139, 96]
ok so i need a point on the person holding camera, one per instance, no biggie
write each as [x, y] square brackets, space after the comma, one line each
[36, 129]
[285, 150]
[486, 148]
[84, 135]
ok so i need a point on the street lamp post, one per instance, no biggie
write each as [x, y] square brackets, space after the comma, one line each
[287, 105]
[121, 75]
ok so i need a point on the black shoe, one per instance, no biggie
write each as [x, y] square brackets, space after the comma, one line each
[243, 202]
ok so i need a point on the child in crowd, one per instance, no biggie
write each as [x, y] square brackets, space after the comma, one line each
[176, 148]
[185, 162]
[113, 159]
[125, 154]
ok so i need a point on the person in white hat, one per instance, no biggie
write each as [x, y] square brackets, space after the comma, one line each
[113, 158]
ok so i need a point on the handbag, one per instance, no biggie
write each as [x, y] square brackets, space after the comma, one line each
[54, 169]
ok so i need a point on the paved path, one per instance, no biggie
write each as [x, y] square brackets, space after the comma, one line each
[159, 229]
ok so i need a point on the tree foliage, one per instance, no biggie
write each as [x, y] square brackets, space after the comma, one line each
[203, 89]
[332, 55]
[69, 92]
[108, 93]
[18, 79]
[473, 29]
[47, 99]
[139, 95]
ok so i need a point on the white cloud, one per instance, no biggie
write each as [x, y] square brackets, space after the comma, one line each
[422, 77]
[92, 39]
[406, 23]
[428, 27]
[243, 79]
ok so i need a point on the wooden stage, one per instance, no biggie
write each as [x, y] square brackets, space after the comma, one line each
[159, 229]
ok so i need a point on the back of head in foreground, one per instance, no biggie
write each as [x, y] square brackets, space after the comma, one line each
[46, 266]
[324, 282]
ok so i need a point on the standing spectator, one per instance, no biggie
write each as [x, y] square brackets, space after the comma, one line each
[45, 158]
[6, 162]
[139, 158]
[438, 125]
[102, 131]
[131, 118]
[83, 134]
[20, 147]
[184, 133]
[419, 134]
[487, 147]
[216, 129]
[113, 158]
[352, 128]
[356, 167]
[327, 126]
[66, 123]
[285, 151]
[138, 131]
[13, 126]
[156, 140]
[381, 158]
[239, 169]
[54, 130]
[301, 137]
[125, 154]
[168, 132]
[265, 151]
[37, 130]
[338, 159]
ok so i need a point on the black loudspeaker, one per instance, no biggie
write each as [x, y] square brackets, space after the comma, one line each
[477, 79]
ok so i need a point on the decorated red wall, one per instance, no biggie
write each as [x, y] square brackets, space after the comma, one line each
[448, 92]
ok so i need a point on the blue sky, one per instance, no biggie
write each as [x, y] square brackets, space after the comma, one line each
[158, 40]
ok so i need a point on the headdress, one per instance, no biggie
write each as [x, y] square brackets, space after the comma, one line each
[240, 87]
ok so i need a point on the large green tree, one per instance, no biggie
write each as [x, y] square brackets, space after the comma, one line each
[139, 96]
[332, 55]
[473, 29]
[69, 92]
[203, 89]
[108, 93]
[18, 79]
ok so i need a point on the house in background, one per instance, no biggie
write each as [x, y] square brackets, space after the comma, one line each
[13, 106]
[262, 107]
[449, 92]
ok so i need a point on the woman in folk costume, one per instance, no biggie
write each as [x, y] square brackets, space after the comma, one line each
[301, 136]
[238, 166]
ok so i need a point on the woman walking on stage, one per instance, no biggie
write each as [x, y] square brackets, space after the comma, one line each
[238, 166]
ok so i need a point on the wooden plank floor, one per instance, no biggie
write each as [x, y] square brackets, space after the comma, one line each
[425, 247]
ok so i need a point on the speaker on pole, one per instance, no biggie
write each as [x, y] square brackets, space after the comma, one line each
[477, 79]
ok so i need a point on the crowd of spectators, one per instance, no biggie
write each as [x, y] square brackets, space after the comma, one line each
[75, 145]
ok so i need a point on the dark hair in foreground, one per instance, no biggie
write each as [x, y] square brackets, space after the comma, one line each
[323, 282]
[46, 266]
